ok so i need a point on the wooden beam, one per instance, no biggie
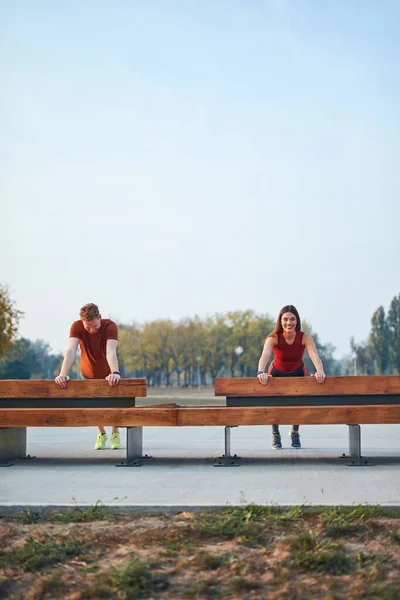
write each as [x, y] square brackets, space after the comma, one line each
[199, 416]
[287, 415]
[308, 386]
[86, 417]
[76, 388]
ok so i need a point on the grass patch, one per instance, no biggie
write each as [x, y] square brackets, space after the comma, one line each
[54, 583]
[385, 592]
[28, 516]
[207, 561]
[36, 555]
[341, 522]
[240, 584]
[97, 591]
[90, 569]
[5, 586]
[252, 523]
[254, 512]
[319, 556]
[137, 579]
[305, 540]
[205, 588]
[358, 514]
[229, 528]
[395, 537]
[96, 512]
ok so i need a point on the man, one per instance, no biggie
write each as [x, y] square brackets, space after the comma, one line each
[98, 340]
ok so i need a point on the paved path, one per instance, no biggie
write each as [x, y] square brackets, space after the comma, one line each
[68, 471]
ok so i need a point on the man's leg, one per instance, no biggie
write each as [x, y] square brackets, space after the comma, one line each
[101, 436]
[115, 439]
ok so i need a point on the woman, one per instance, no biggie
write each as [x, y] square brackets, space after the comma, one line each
[288, 342]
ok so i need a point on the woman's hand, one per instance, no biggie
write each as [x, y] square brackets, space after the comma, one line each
[113, 379]
[263, 378]
[61, 380]
[319, 376]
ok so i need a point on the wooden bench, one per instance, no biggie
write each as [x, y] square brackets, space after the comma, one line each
[348, 401]
[42, 403]
[339, 400]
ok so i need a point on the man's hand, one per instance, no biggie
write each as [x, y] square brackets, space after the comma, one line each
[113, 379]
[263, 378]
[61, 380]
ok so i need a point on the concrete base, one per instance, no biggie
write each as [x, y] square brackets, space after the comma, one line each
[12, 444]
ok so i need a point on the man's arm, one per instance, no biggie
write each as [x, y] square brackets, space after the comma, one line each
[68, 361]
[111, 355]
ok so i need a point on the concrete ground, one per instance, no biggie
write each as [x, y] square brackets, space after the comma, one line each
[68, 471]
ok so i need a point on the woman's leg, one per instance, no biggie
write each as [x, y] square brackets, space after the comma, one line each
[300, 372]
[275, 428]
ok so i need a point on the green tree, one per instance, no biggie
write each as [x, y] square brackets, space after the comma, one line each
[194, 347]
[259, 328]
[20, 361]
[129, 352]
[215, 345]
[379, 340]
[164, 351]
[186, 336]
[364, 357]
[239, 324]
[325, 351]
[48, 364]
[9, 320]
[393, 323]
[154, 351]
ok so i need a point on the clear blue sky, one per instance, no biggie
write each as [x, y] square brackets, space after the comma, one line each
[170, 158]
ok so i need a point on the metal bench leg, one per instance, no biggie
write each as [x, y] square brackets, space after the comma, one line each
[227, 457]
[12, 445]
[355, 448]
[134, 447]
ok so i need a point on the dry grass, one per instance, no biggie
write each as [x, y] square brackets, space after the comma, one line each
[250, 552]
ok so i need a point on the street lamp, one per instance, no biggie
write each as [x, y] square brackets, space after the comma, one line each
[238, 352]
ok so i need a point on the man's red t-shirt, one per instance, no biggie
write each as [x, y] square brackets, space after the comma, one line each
[94, 363]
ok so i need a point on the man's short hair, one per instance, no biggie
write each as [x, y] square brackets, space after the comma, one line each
[89, 312]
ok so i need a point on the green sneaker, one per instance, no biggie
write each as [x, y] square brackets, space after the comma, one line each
[115, 441]
[101, 441]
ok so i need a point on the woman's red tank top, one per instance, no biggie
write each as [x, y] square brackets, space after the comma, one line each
[289, 357]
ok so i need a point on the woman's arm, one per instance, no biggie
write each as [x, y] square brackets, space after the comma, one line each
[264, 358]
[313, 354]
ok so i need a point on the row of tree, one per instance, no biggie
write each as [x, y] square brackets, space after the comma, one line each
[19, 357]
[380, 353]
[196, 350]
